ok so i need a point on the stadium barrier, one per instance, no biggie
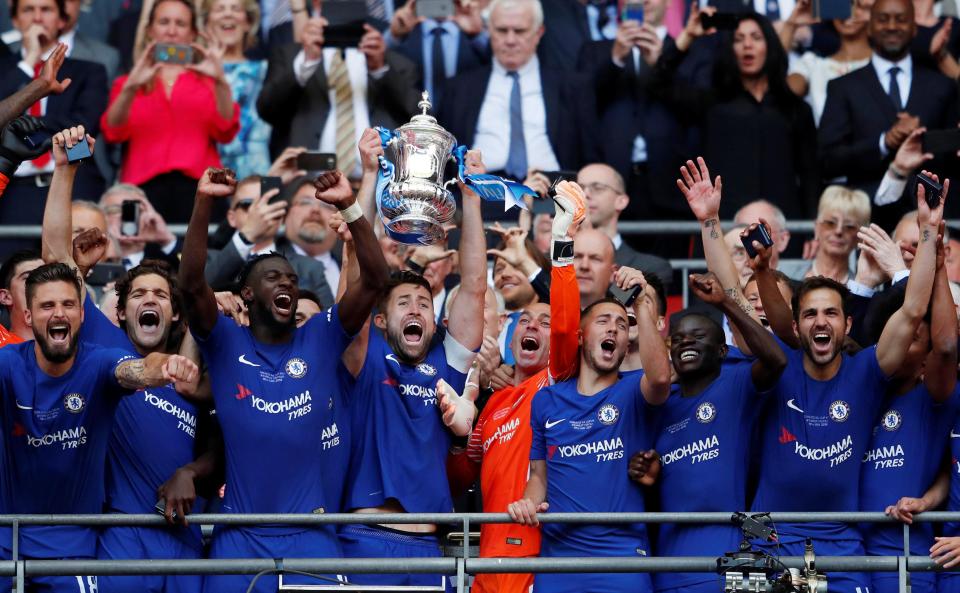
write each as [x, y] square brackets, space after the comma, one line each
[462, 565]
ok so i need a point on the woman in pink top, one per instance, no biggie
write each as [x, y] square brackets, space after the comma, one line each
[170, 116]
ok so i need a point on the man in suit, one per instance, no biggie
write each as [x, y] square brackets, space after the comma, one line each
[83, 47]
[40, 23]
[459, 44]
[257, 222]
[324, 97]
[870, 112]
[570, 25]
[152, 240]
[519, 114]
[606, 200]
[307, 231]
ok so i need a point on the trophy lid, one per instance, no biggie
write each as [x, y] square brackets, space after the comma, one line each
[425, 123]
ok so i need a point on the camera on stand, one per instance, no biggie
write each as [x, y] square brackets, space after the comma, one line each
[754, 571]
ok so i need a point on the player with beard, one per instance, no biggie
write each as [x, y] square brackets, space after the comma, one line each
[274, 385]
[545, 343]
[583, 429]
[706, 428]
[148, 308]
[400, 439]
[820, 416]
[59, 399]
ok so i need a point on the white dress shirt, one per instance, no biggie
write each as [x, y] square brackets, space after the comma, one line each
[26, 168]
[357, 70]
[904, 78]
[493, 126]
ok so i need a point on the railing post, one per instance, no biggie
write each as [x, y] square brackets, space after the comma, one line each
[902, 562]
[21, 586]
[684, 279]
[462, 564]
[15, 552]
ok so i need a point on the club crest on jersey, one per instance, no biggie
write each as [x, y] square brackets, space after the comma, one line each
[74, 403]
[426, 369]
[296, 368]
[892, 420]
[608, 414]
[706, 412]
[839, 411]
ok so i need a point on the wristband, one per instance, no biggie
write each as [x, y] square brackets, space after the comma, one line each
[897, 173]
[562, 252]
[352, 213]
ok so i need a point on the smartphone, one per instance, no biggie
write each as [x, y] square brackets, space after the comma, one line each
[345, 19]
[317, 161]
[268, 183]
[78, 152]
[103, 274]
[161, 509]
[626, 297]
[942, 141]
[130, 218]
[435, 9]
[722, 21]
[173, 53]
[758, 234]
[633, 11]
[829, 10]
[933, 190]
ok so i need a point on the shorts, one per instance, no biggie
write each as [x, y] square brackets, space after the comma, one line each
[592, 583]
[234, 542]
[367, 541]
[502, 583]
[887, 582]
[55, 584]
[134, 543]
[837, 582]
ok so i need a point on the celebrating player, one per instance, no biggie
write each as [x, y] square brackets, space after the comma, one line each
[823, 409]
[59, 398]
[274, 385]
[705, 430]
[149, 308]
[499, 447]
[583, 431]
[400, 438]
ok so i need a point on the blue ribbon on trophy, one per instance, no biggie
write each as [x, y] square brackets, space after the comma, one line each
[414, 208]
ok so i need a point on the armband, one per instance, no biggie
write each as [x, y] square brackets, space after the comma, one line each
[352, 213]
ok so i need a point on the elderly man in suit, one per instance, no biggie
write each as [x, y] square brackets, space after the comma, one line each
[323, 97]
[40, 23]
[257, 223]
[870, 112]
[519, 114]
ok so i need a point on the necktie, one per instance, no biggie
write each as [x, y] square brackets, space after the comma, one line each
[36, 111]
[517, 155]
[438, 65]
[339, 81]
[377, 10]
[895, 90]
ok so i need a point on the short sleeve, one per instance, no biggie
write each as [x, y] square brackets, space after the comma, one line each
[109, 360]
[458, 356]
[538, 445]
[99, 330]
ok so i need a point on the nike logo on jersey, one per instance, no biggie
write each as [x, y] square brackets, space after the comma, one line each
[23, 407]
[243, 360]
[393, 358]
[550, 424]
[793, 406]
[953, 435]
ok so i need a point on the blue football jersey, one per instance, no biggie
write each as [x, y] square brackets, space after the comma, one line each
[587, 441]
[137, 463]
[275, 404]
[704, 443]
[953, 503]
[813, 436]
[57, 430]
[400, 441]
[903, 459]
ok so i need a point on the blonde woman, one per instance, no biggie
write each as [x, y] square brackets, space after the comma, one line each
[840, 214]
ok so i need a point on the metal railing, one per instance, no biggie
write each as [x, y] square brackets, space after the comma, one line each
[461, 566]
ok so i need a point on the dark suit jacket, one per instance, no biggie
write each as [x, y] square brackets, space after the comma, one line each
[224, 265]
[646, 263]
[468, 55]
[298, 113]
[858, 110]
[568, 100]
[86, 48]
[566, 29]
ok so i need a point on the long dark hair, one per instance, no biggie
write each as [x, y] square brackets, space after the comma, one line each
[726, 73]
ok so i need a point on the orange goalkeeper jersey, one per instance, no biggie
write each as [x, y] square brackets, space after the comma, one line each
[500, 442]
[7, 337]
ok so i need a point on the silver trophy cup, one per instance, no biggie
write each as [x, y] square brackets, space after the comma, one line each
[416, 203]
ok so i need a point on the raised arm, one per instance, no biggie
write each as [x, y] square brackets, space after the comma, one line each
[898, 332]
[657, 371]
[359, 297]
[771, 360]
[38, 88]
[569, 211]
[776, 310]
[57, 232]
[465, 325]
[154, 370]
[199, 298]
[940, 371]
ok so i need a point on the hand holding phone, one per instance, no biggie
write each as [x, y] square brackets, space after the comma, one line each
[173, 53]
[317, 161]
[129, 217]
[79, 151]
[268, 183]
[759, 235]
[932, 190]
[633, 11]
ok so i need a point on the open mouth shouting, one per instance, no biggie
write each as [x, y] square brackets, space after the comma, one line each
[59, 333]
[821, 342]
[413, 332]
[149, 321]
[529, 344]
[283, 304]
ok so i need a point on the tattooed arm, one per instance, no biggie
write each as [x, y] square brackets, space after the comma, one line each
[154, 370]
